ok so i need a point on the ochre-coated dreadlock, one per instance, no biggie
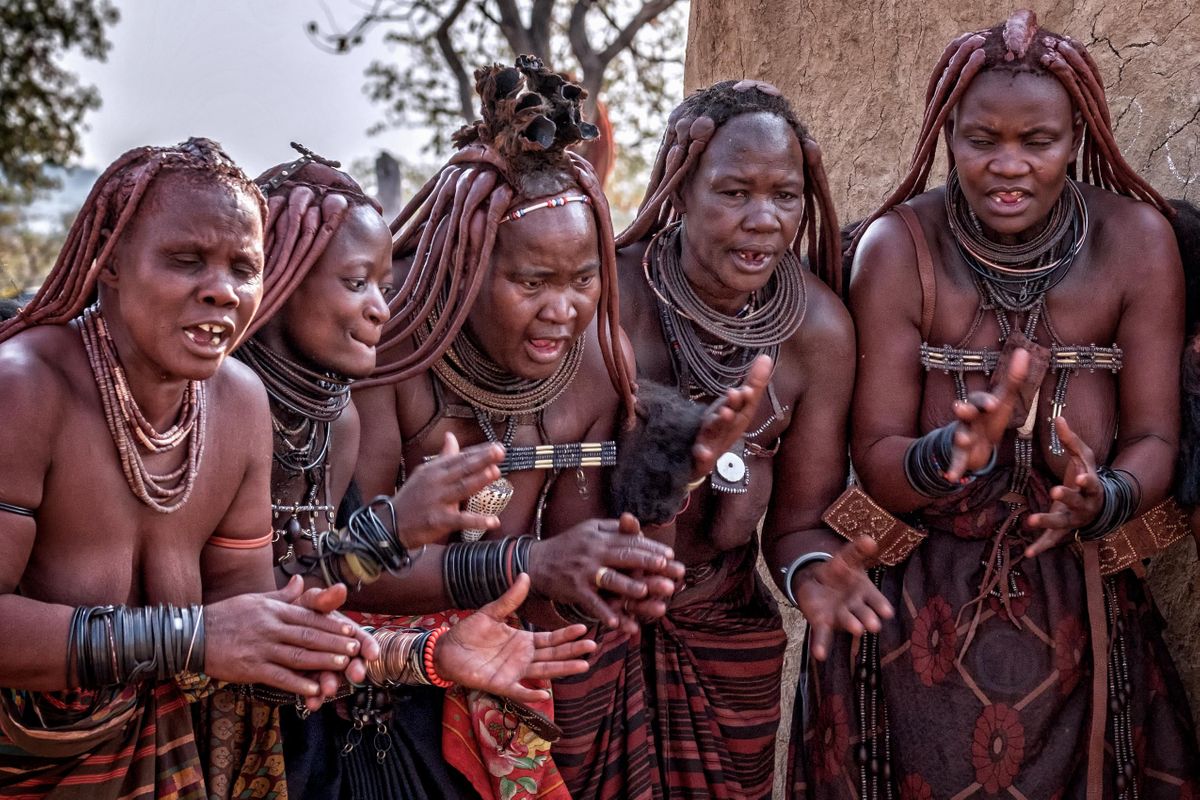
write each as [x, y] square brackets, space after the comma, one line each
[110, 206]
[1020, 46]
[307, 201]
[689, 129]
[515, 154]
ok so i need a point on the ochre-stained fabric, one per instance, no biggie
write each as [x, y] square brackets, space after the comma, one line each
[687, 709]
[240, 745]
[137, 742]
[1011, 715]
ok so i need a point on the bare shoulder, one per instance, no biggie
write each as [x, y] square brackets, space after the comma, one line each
[884, 274]
[1137, 238]
[239, 393]
[39, 369]
[827, 331]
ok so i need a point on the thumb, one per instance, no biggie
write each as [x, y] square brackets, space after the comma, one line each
[506, 604]
[628, 525]
[858, 552]
[324, 601]
[290, 592]
[449, 445]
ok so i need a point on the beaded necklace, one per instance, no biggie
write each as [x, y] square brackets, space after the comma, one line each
[131, 430]
[486, 385]
[767, 320]
[317, 398]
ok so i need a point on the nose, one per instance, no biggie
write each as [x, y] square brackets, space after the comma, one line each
[1008, 162]
[219, 289]
[761, 217]
[376, 310]
[558, 309]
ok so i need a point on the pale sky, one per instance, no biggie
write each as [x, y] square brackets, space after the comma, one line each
[243, 72]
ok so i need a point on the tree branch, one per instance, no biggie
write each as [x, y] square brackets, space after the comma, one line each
[513, 29]
[646, 14]
[466, 88]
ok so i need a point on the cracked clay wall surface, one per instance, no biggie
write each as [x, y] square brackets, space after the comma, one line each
[856, 73]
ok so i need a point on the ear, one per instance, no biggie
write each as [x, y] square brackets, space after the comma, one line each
[1077, 128]
[677, 198]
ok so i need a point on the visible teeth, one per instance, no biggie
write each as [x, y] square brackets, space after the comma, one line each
[216, 340]
[208, 327]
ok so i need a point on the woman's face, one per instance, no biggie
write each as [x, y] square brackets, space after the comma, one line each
[335, 316]
[1013, 136]
[541, 290]
[744, 203]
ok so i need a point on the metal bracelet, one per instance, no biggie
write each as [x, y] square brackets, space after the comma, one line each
[790, 571]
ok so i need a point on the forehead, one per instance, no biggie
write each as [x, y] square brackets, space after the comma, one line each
[563, 237]
[193, 204]
[362, 236]
[750, 142]
[1001, 96]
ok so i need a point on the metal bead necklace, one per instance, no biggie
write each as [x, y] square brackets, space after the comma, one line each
[131, 431]
[771, 315]
[486, 385]
[1017, 277]
[316, 397]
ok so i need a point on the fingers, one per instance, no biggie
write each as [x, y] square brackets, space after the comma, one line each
[1050, 539]
[311, 650]
[507, 604]
[628, 525]
[621, 585]
[288, 680]
[549, 670]
[1018, 371]
[323, 601]
[856, 554]
[1075, 446]
[564, 652]
[449, 445]
[327, 624]
[291, 591]
[523, 694]
[820, 638]
[558, 636]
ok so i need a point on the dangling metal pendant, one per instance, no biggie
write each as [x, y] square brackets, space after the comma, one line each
[492, 499]
[732, 474]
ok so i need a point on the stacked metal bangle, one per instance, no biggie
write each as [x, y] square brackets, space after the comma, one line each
[476, 573]
[928, 458]
[115, 645]
[405, 658]
[1121, 499]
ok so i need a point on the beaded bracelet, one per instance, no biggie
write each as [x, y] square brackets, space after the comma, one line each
[431, 673]
[1121, 500]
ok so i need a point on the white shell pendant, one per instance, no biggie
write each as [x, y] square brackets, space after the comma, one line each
[732, 475]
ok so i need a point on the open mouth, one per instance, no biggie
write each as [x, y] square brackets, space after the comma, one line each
[210, 335]
[1009, 199]
[546, 351]
[752, 260]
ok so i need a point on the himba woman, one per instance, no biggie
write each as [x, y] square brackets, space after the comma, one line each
[328, 269]
[711, 280]
[508, 259]
[135, 522]
[1017, 404]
